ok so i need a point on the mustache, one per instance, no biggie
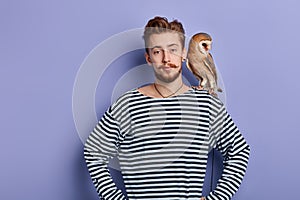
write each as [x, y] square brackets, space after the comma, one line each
[171, 65]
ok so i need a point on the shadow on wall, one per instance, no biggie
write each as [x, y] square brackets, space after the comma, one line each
[83, 183]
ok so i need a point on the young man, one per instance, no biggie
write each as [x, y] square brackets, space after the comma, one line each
[163, 132]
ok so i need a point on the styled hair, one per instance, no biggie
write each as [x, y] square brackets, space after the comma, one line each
[159, 25]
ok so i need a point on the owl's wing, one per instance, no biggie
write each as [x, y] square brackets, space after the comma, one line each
[194, 70]
[213, 69]
[211, 66]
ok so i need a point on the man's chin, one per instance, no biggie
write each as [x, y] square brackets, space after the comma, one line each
[168, 78]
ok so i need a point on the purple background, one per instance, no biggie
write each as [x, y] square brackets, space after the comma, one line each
[43, 43]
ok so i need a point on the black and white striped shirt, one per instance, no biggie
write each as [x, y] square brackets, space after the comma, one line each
[162, 145]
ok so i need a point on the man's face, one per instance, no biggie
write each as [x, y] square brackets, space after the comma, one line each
[165, 55]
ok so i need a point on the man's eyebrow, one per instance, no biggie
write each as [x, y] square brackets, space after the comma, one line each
[160, 47]
[171, 45]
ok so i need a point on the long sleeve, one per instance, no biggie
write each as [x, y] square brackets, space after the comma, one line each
[101, 145]
[227, 139]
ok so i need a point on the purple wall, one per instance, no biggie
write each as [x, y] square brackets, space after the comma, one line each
[44, 44]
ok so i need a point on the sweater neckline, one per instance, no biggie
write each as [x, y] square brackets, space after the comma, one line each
[189, 91]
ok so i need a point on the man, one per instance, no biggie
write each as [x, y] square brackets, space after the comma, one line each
[163, 132]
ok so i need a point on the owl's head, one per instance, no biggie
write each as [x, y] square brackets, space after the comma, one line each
[204, 42]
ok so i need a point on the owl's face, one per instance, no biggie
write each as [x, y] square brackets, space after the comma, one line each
[205, 46]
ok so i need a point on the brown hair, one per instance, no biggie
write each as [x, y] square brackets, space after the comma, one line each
[162, 25]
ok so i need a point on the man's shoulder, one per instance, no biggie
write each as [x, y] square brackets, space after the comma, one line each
[122, 101]
[204, 94]
[127, 95]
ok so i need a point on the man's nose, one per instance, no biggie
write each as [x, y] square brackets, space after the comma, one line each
[166, 56]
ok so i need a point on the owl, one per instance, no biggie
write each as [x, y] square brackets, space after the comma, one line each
[201, 64]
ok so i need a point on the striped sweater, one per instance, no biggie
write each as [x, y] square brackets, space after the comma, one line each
[163, 144]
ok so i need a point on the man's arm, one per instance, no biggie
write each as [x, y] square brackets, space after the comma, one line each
[101, 145]
[227, 139]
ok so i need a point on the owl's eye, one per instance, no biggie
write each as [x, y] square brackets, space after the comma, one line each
[204, 45]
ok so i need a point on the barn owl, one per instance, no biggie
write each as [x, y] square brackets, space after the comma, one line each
[201, 64]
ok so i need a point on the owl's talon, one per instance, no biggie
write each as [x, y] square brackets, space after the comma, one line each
[199, 87]
[212, 92]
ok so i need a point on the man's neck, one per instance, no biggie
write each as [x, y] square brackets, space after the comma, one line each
[168, 89]
[170, 86]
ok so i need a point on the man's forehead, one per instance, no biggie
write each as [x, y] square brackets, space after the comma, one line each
[164, 40]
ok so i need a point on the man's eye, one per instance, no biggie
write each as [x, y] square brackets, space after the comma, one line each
[156, 52]
[173, 50]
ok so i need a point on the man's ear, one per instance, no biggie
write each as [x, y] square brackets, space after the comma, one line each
[184, 54]
[148, 59]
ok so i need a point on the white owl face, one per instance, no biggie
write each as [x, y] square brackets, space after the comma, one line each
[205, 46]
